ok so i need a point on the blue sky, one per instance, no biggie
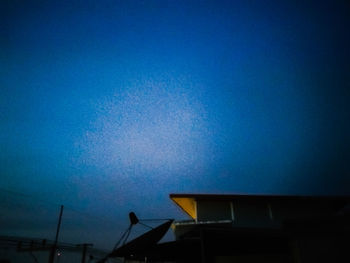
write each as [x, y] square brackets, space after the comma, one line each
[109, 106]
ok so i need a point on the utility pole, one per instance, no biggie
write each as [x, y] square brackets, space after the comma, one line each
[85, 246]
[54, 246]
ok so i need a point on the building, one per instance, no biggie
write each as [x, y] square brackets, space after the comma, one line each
[254, 228]
[263, 228]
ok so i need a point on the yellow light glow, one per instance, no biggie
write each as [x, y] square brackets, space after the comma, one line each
[186, 204]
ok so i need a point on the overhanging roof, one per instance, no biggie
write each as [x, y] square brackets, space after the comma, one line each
[187, 202]
[259, 196]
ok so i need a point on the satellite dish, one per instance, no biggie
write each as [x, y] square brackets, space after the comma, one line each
[143, 242]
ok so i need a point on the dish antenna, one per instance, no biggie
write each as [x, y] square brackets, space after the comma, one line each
[141, 243]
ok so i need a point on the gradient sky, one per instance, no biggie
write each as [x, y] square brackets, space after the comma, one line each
[109, 106]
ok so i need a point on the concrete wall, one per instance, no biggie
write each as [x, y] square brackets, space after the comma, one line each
[251, 214]
[257, 213]
[213, 210]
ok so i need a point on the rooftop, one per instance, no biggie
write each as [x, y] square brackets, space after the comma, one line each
[187, 202]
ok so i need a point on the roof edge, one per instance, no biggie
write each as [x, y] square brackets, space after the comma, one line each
[259, 196]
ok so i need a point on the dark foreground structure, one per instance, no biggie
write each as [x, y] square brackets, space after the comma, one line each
[255, 228]
[28, 250]
[221, 229]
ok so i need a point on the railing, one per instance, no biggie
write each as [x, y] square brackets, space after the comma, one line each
[201, 222]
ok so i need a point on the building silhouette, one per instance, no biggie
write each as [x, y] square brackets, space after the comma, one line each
[220, 229]
[255, 228]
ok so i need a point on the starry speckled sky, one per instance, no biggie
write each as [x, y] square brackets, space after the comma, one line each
[109, 106]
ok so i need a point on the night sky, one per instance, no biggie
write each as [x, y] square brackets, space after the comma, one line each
[109, 106]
